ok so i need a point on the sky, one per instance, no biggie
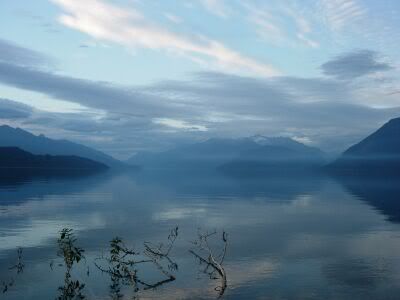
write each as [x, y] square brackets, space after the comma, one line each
[126, 76]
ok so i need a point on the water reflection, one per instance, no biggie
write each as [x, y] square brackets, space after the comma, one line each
[14, 177]
[380, 193]
[310, 231]
[220, 185]
[18, 187]
[18, 268]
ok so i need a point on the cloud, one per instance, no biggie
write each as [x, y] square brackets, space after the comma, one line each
[217, 7]
[282, 24]
[14, 110]
[88, 93]
[355, 64]
[303, 27]
[129, 27]
[178, 124]
[173, 18]
[12, 53]
[326, 112]
[124, 119]
[339, 14]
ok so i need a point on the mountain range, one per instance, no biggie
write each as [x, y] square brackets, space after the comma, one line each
[218, 152]
[378, 153]
[42, 145]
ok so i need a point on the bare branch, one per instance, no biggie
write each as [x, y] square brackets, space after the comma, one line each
[209, 258]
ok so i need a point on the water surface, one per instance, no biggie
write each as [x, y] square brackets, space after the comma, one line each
[290, 237]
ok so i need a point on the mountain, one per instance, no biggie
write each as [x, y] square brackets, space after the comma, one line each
[41, 145]
[209, 153]
[379, 153]
[280, 148]
[16, 158]
[385, 142]
[275, 156]
[217, 152]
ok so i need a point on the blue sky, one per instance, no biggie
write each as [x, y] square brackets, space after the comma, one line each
[131, 75]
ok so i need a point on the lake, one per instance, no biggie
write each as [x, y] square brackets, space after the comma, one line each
[289, 237]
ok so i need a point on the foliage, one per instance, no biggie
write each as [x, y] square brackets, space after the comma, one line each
[67, 249]
[124, 264]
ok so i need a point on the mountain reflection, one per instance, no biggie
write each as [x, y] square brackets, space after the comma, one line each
[382, 193]
[285, 186]
[15, 176]
[20, 186]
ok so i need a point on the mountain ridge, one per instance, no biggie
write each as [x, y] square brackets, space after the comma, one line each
[215, 152]
[42, 145]
[378, 153]
[381, 142]
[14, 157]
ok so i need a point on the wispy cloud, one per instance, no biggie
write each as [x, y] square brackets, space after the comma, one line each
[303, 27]
[217, 7]
[173, 18]
[128, 27]
[281, 24]
[340, 13]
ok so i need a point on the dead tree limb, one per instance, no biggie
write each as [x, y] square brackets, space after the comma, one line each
[210, 259]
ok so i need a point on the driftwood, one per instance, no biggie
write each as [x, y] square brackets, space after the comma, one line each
[212, 261]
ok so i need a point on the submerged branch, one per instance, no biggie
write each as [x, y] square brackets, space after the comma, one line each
[210, 260]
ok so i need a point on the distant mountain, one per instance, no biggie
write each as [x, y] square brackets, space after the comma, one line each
[379, 153]
[41, 145]
[209, 153]
[277, 156]
[280, 148]
[217, 152]
[16, 158]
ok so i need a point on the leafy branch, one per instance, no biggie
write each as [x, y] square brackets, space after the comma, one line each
[123, 264]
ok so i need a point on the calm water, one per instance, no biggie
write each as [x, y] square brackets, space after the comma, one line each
[289, 238]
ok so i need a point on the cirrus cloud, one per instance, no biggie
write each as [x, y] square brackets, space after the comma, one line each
[128, 27]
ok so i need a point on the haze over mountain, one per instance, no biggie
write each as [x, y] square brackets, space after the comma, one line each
[41, 145]
[217, 152]
[378, 153]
